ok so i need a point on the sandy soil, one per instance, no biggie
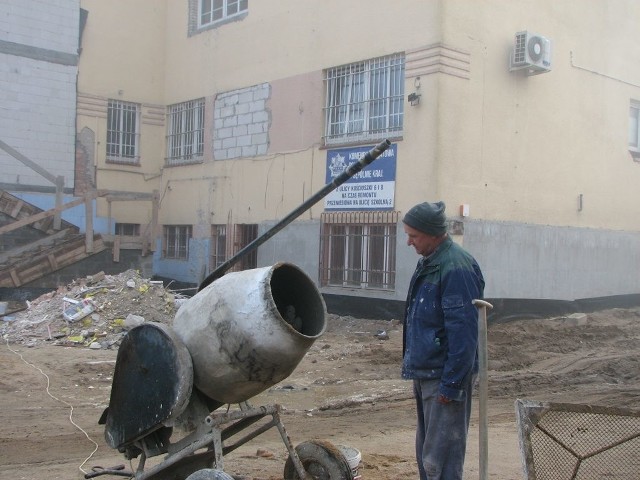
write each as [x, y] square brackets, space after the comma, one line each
[347, 390]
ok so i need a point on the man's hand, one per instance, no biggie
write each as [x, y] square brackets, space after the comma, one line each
[444, 400]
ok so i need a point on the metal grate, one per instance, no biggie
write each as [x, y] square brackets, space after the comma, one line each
[122, 132]
[364, 100]
[520, 49]
[562, 441]
[185, 136]
[358, 250]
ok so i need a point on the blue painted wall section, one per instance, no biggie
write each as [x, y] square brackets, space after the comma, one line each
[75, 215]
[191, 270]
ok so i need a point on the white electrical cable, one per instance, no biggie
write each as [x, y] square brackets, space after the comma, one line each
[61, 401]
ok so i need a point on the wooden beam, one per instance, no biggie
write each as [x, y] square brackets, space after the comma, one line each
[129, 197]
[39, 216]
[15, 278]
[15, 211]
[29, 163]
[88, 236]
[116, 250]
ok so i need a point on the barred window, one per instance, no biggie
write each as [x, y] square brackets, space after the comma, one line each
[128, 229]
[176, 241]
[123, 132]
[218, 246]
[364, 100]
[214, 11]
[244, 235]
[185, 136]
[358, 249]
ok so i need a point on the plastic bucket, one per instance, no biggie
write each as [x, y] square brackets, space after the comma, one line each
[353, 457]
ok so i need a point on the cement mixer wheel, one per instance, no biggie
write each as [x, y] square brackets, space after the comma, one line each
[209, 474]
[321, 460]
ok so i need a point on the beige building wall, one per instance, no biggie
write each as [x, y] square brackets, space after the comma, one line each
[519, 150]
[524, 148]
[123, 58]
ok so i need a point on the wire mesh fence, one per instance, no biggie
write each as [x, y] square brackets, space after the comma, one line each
[560, 441]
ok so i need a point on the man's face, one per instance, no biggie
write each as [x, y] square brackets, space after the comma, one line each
[423, 243]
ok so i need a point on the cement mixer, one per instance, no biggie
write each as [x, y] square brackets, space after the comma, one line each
[241, 333]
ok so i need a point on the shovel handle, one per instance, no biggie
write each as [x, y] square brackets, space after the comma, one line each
[483, 386]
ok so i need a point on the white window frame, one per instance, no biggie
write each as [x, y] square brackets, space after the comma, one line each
[364, 100]
[214, 12]
[634, 128]
[185, 132]
[123, 132]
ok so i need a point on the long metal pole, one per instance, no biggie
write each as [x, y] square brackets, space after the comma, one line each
[354, 168]
[483, 387]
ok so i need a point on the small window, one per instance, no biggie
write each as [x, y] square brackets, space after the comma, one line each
[123, 132]
[359, 252]
[244, 235]
[364, 100]
[218, 246]
[217, 11]
[185, 132]
[128, 229]
[176, 241]
[634, 128]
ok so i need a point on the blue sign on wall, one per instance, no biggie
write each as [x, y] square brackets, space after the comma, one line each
[373, 188]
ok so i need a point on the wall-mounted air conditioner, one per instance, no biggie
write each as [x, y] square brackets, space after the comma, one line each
[531, 52]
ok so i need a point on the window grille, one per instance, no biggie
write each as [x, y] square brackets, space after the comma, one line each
[358, 250]
[185, 138]
[218, 246]
[564, 441]
[634, 127]
[244, 235]
[176, 241]
[364, 100]
[214, 11]
[123, 132]
[128, 229]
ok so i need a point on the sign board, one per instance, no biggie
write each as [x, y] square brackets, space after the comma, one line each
[372, 188]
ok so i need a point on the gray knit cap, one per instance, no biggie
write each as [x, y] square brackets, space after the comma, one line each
[427, 217]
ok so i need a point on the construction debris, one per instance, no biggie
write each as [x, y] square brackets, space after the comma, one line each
[92, 312]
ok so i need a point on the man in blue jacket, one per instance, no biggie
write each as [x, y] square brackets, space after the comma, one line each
[440, 341]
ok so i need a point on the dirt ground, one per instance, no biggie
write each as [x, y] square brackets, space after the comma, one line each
[346, 390]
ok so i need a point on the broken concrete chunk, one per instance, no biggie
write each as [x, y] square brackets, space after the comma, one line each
[133, 321]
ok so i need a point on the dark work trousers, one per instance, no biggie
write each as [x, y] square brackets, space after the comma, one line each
[441, 432]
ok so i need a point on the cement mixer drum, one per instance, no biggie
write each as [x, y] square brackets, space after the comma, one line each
[248, 330]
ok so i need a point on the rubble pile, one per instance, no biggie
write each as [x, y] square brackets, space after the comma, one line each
[95, 311]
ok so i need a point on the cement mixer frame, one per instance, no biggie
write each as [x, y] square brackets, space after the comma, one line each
[182, 460]
[155, 355]
[310, 460]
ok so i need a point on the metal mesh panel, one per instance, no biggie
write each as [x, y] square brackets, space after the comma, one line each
[583, 442]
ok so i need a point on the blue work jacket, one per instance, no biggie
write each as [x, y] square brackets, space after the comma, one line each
[440, 337]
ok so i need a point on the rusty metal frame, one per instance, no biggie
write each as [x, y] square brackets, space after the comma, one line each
[530, 420]
[211, 435]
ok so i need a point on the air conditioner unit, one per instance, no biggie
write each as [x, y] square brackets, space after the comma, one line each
[531, 52]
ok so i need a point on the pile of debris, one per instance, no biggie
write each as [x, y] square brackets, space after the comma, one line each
[95, 311]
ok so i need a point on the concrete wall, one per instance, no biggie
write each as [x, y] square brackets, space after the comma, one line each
[298, 243]
[38, 69]
[559, 263]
